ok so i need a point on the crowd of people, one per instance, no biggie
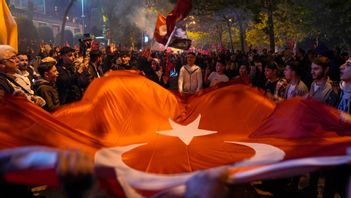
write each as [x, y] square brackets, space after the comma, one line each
[60, 75]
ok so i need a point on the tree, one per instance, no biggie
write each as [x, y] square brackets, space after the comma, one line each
[68, 35]
[252, 19]
[68, 8]
[26, 29]
[329, 21]
[289, 25]
[234, 12]
[30, 9]
[46, 34]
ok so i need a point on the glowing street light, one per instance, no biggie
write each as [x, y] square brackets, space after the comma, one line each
[83, 16]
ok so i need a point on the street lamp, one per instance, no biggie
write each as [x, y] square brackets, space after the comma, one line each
[229, 21]
[83, 16]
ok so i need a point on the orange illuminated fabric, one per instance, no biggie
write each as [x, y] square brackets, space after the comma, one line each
[125, 108]
[25, 124]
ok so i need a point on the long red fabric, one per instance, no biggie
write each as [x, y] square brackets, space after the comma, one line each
[125, 108]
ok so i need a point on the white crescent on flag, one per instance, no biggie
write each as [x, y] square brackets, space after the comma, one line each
[112, 157]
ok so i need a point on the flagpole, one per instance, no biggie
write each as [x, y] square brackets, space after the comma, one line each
[170, 37]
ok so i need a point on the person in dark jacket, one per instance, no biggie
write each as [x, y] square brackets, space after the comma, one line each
[93, 71]
[157, 72]
[45, 86]
[67, 81]
[271, 73]
[110, 58]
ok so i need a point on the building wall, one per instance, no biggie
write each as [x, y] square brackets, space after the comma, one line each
[45, 14]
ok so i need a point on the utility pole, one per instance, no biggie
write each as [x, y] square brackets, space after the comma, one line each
[83, 16]
[64, 20]
[229, 20]
[44, 6]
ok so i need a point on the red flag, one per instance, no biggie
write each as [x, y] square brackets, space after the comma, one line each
[181, 10]
[165, 26]
[155, 141]
[160, 29]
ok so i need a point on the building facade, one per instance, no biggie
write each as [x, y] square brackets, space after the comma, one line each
[47, 13]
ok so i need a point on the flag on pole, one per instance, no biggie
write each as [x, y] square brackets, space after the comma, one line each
[181, 10]
[8, 27]
[165, 28]
[179, 38]
[153, 141]
[160, 29]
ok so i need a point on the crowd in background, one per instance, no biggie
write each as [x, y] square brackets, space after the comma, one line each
[60, 75]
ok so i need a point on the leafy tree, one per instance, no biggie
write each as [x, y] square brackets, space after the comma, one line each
[68, 8]
[329, 21]
[46, 34]
[26, 29]
[68, 35]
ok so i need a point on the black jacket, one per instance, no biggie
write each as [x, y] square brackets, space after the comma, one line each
[67, 84]
[5, 85]
[50, 94]
[89, 75]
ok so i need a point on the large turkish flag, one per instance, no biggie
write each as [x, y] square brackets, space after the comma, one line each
[155, 140]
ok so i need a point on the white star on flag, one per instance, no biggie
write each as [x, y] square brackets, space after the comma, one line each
[188, 132]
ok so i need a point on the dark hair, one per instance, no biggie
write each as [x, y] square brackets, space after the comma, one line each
[94, 55]
[45, 67]
[257, 58]
[245, 66]
[192, 53]
[221, 62]
[322, 61]
[302, 51]
[272, 66]
[344, 54]
[52, 52]
[66, 50]
[108, 49]
[294, 66]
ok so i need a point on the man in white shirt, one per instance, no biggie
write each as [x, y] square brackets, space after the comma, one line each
[218, 76]
[190, 76]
